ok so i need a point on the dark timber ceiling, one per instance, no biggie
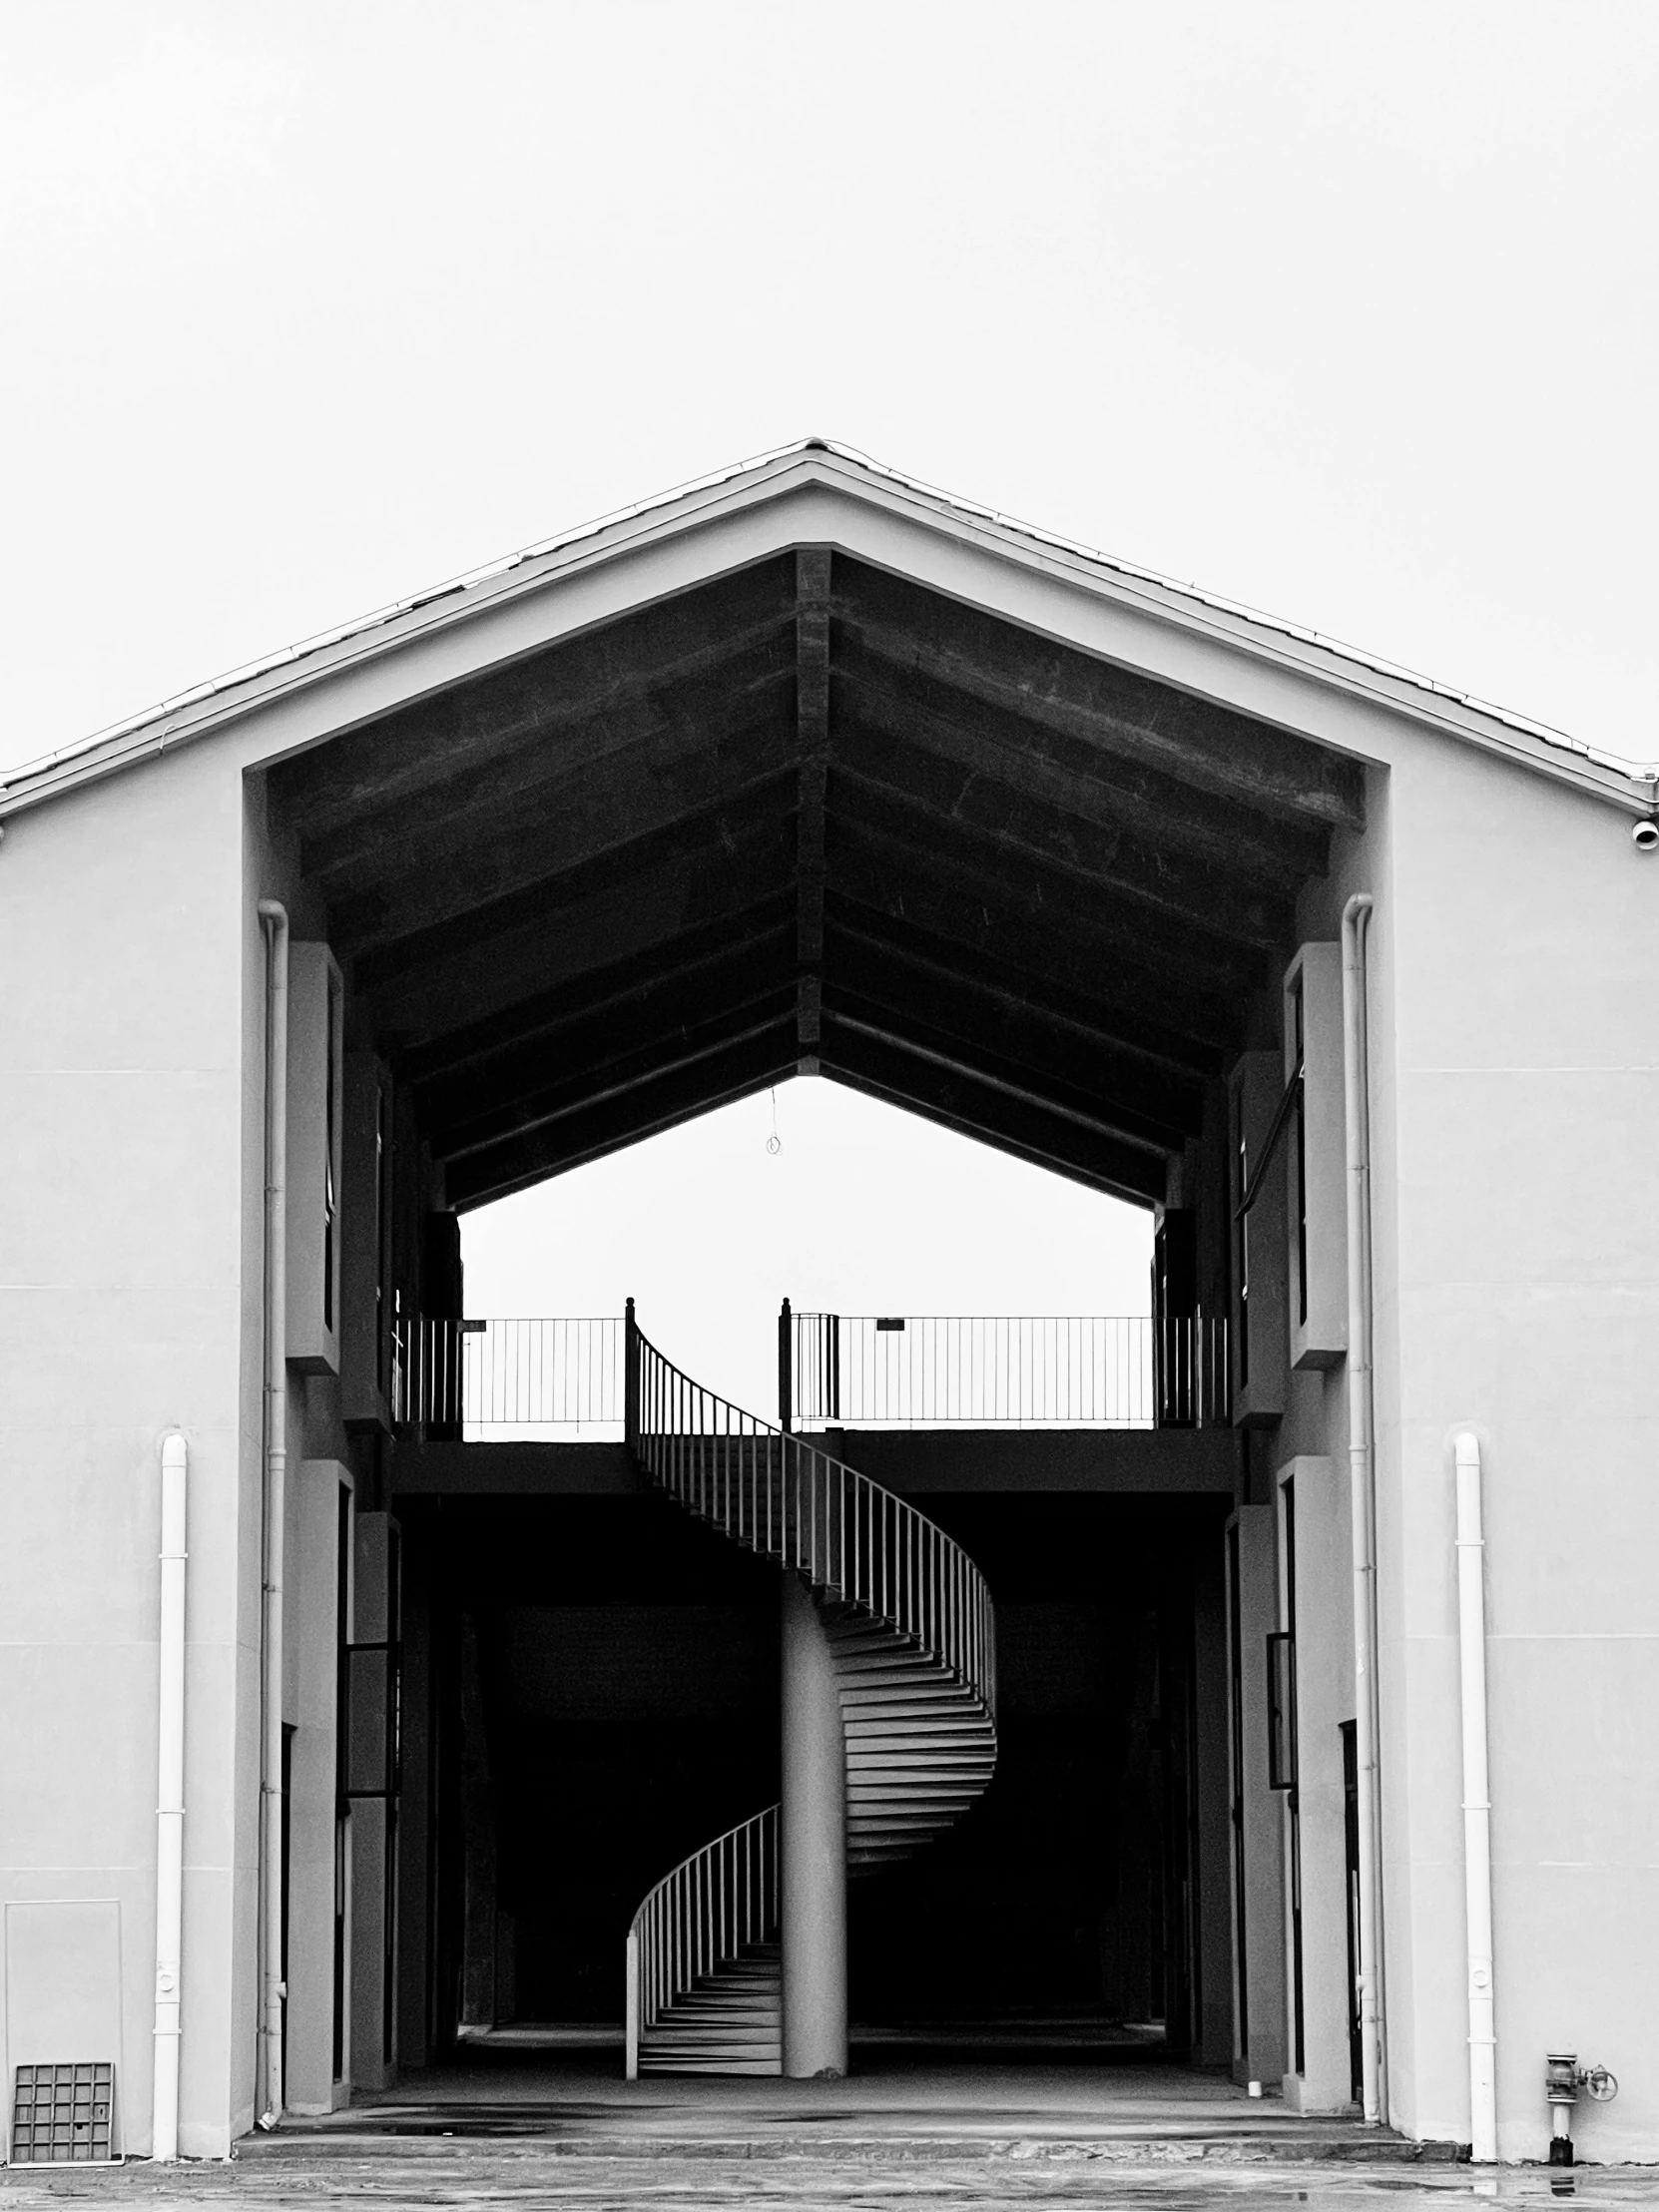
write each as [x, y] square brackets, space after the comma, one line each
[811, 812]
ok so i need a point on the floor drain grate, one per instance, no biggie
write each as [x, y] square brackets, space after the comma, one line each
[61, 2115]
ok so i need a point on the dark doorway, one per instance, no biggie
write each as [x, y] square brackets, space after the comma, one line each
[613, 1703]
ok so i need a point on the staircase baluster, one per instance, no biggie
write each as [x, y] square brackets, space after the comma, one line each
[884, 1568]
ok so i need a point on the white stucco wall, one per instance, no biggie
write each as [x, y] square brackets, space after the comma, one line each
[121, 1293]
[1528, 1297]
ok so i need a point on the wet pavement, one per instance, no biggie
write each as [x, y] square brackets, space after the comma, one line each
[533, 2130]
[525, 2177]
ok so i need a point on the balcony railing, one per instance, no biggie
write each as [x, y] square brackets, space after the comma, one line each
[563, 1380]
[515, 1379]
[891, 1371]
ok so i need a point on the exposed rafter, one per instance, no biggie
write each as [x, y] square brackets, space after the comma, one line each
[811, 691]
[666, 963]
[811, 816]
[672, 1096]
[521, 1086]
[1058, 688]
[602, 815]
[608, 671]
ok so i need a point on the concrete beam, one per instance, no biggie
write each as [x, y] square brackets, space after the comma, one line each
[1147, 1461]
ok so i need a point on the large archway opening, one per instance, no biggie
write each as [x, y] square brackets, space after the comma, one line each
[814, 818]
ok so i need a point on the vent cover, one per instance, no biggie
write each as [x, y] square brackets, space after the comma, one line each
[61, 2115]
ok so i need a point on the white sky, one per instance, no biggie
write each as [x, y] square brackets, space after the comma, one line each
[1347, 312]
[862, 1210]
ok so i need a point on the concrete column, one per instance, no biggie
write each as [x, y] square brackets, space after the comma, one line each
[813, 1843]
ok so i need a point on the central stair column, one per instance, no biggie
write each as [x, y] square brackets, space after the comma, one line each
[812, 1841]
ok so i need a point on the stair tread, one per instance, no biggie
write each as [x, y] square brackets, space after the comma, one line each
[920, 1740]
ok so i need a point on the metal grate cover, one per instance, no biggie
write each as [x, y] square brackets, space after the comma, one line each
[61, 2115]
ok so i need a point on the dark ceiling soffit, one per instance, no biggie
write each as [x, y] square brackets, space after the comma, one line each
[752, 859]
[987, 1074]
[879, 785]
[612, 823]
[523, 1161]
[608, 668]
[665, 965]
[475, 985]
[580, 760]
[1098, 701]
[1069, 775]
[1140, 1187]
[626, 1062]
[1027, 915]
[864, 945]
[1089, 1082]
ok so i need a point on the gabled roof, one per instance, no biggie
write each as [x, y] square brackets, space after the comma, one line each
[211, 706]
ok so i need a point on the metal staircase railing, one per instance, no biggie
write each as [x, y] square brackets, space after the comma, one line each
[911, 1627]
[713, 1907]
[785, 1498]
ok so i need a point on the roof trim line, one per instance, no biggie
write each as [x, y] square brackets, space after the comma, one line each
[40, 779]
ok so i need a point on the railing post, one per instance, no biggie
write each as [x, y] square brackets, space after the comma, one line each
[786, 1370]
[633, 2004]
[630, 1384]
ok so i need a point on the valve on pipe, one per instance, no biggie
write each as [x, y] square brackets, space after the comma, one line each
[1563, 2078]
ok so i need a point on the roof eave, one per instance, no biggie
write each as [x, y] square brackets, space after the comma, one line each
[207, 707]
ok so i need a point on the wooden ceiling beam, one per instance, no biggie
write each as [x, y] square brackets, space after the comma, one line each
[904, 789]
[973, 1063]
[1122, 1171]
[623, 906]
[665, 964]
[989, 898]
[861, 943]
[811, 682]
[1058, 686]
[606, 670]
[736, 782]
[614, 1073]
[569, 762]
[662, 1102]
[1057, 771]
[1118, 1091]
[515, 1088]
[1206, 1014]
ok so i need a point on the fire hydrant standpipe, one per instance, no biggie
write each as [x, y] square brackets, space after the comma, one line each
[1563, 2078]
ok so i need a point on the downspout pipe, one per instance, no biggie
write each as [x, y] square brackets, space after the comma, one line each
[170, 1805]
[273, 920]
[1363, 1502]
[1478, 1808]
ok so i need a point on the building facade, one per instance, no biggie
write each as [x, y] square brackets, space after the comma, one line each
[810, 771]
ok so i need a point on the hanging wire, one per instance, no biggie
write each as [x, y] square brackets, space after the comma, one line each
[774, 1143]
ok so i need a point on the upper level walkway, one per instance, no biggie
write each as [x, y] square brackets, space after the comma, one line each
[917, 1403]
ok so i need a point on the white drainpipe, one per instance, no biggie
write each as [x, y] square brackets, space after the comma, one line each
[1478, 1810]
[170, 1805]
[1363, 1502]
[275, 920]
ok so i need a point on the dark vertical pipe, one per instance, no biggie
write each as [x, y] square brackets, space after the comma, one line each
[785, 1376]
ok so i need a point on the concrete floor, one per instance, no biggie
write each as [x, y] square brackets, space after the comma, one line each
[524, 2130]
[306, 2176]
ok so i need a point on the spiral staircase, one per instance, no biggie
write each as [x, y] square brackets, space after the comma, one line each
[909, 1618]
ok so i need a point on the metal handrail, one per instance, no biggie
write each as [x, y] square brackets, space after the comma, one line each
[1004, 1370]
[783, 1496]
[861, 1546]
[716, 1904]
[527, 1375]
